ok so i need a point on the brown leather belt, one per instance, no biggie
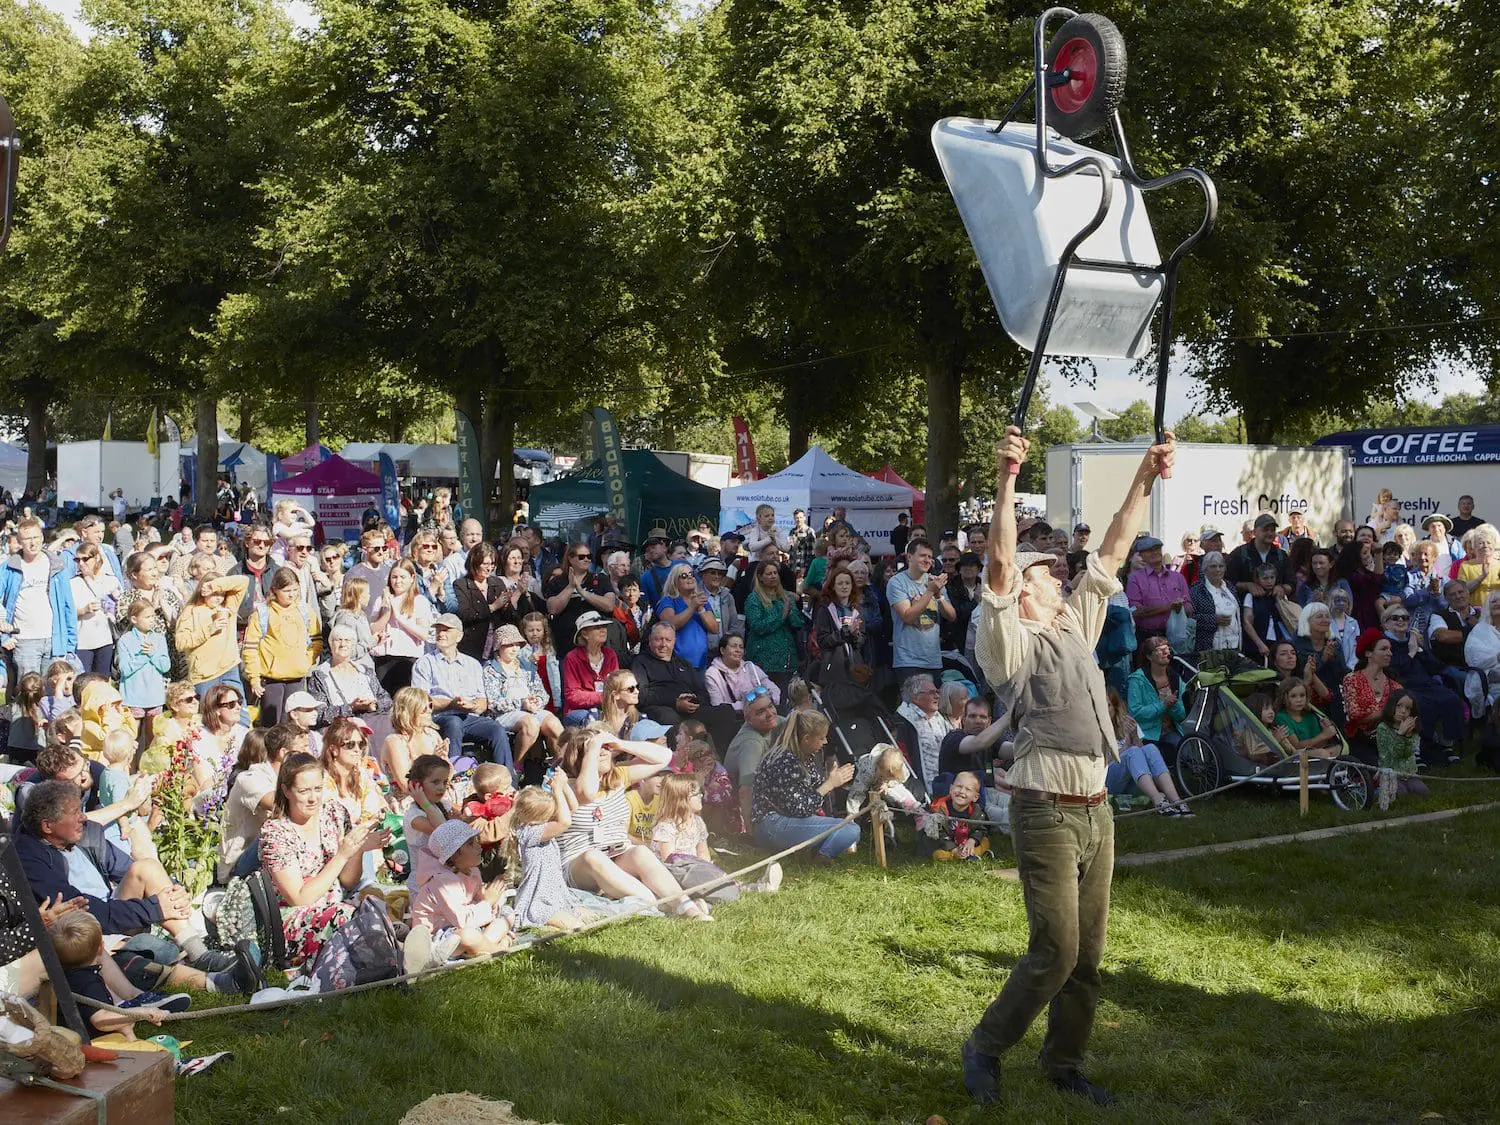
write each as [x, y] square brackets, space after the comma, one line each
[1060, 798]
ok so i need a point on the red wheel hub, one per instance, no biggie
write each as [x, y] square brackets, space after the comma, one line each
[1080, 61]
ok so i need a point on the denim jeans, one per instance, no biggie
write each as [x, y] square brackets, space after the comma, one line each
[778, 832]
[100, 661]
[580, 718]
[31, 656]
[476, 728]
[1065, 856]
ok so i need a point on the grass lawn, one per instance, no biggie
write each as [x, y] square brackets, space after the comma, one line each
[1353, 980]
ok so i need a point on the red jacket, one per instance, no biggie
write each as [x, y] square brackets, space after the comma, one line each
[579, 679]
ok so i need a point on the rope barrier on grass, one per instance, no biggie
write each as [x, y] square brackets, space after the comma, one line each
[407, 978]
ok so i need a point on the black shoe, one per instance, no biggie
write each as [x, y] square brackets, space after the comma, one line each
[981, 1074]
[1074, 1083]
[247, 975]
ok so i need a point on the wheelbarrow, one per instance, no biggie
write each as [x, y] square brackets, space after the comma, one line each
[10, 159]
[1061, 230]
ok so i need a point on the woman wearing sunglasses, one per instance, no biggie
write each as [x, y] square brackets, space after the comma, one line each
[1415, 668]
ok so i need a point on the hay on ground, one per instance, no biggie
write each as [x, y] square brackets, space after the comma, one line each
[463, 1109]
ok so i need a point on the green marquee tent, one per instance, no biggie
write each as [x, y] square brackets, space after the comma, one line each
[654, 495]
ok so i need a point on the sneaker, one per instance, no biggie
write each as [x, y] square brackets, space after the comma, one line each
[981, 1074]
[1167, 808]
[1184, 809]
[770, 882]
[248, 977]
[1074, 1083]
[176, 1002]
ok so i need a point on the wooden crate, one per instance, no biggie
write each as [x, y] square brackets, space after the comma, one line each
[138, 1088]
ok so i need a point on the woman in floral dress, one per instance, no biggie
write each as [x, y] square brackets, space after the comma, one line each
[313, 854]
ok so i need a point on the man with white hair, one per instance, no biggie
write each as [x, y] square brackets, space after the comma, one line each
[1037, 648]
[470, 535]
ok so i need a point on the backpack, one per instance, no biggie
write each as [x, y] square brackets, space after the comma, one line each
[263, 617]
[250, 911]
[362, 950]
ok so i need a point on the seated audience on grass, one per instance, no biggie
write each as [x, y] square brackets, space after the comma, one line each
[252, 793]
[750, 745]
[63, 854]
[413, 735]
[1141, 762]
[680, 840]
[619, 709]
[454, 682]
[427, 785]
[454, 912]
[1154, 693]
[342, 684]
[350, 777]
[1316, 642]
[541, 817]
[1299, 727]
[517, 699]
[1396, 740]
[585, 668]
[1367, 689]
[597, 853]
[789, 791]
[1448, 629]
[672, 689]
[1480, 568]
[695, 754]
[314, 856]
[978, 745]
[884, 774]
[921, 725]
[957, 821]
[1481, 648]
[731, 677]
[1440, 708]
[539, 656]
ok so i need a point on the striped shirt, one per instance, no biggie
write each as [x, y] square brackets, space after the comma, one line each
[602, 823]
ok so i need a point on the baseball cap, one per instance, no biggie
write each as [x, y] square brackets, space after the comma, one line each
[714, 564]
[302, 701]
[970, 558]
[1083, 527]
[448, 621]
[1265, 519]
[1146, 543]
[1209, 533]
[647, 729]
[732, 534]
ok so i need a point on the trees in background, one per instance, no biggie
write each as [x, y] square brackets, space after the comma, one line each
[530, 209]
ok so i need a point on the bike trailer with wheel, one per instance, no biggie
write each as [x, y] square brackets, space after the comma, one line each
[1224, 742]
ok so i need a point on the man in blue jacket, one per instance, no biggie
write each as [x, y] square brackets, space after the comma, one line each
[63, 853]
[91, 530]
[38, 600]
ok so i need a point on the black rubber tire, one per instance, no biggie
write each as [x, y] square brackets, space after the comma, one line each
[1350, 785]
[1197, 767]
[1082, 119]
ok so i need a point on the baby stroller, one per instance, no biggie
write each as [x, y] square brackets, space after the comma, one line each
[1223, 737]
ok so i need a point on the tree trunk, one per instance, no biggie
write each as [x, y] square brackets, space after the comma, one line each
[944, 438]
[37, 400]
[207, 421]
[798, 424]
[312, 424]
[247, 419]
[505, 485]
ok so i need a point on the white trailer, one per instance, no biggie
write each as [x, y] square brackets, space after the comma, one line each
[1219, 485]
[88, 471]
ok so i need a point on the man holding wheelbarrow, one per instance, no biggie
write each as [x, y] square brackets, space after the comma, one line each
[1038, 648]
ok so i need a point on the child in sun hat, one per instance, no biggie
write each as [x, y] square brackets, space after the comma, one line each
[454, 911]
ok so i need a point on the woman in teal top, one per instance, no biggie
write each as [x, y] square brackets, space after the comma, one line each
[1154, 694]
[772, 619]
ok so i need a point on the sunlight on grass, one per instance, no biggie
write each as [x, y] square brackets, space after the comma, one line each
[1343, 980]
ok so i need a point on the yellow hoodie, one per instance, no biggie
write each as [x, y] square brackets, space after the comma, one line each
[288, 646]
[102, 712]
[211, 651]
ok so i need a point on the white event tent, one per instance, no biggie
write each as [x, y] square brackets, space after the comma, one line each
[818, 484]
